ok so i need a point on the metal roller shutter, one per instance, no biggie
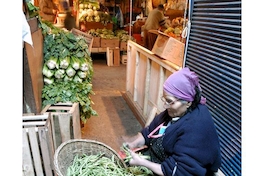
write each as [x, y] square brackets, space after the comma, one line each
[214, 53]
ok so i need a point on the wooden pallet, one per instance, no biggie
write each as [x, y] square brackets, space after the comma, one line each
[37, 148]
[65, 122]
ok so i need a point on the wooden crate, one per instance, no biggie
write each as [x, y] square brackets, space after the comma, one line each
[116, 61]
[37, 148]
[111, 43]
[123, 46]
[113, 56]
[96, 25]
[88, 38]
[96, 42]
[65, 122]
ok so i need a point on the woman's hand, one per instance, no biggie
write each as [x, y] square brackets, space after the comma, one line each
[136, 159]
[136, 141]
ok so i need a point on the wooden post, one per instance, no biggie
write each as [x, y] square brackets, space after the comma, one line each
[109, 56]
[33, 63]
[116, 57]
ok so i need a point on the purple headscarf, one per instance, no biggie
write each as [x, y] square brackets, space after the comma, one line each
[181, 84]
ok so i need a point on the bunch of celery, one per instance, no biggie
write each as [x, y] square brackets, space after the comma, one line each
[67, 69]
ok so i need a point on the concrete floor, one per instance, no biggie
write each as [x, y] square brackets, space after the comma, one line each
[115, 121]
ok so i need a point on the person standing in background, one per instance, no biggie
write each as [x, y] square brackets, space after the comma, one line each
[48, 10]
[154, 21]
[69, 21]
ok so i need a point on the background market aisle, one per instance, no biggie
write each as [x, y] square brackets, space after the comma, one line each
[115, 120]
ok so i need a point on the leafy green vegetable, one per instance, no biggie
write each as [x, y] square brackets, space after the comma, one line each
[52, 62]
[65, 62]
[77, 79]
[32, 10]
[70, 71]
[84, 64]
[75, 63]
[47, 72]
[82, 74]
[70, 92]
[67, 78]
[59, 73]
[48, 80]
[64, 85]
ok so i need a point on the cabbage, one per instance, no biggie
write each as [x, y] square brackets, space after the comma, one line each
[90, 12]
[95, 12]
[52, 62]
[59, 73]
[70, 71]
[90, 6]
[81, 6]
[47, 72]
[97, 18]
[65, 62]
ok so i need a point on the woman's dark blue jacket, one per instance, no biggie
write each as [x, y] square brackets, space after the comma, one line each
[191, 143]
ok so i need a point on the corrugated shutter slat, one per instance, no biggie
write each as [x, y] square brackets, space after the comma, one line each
[214, 53]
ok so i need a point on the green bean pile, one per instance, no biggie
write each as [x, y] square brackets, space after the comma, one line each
[100, 165]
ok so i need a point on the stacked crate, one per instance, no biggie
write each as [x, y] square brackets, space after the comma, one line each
[65, 122]
[37, 145]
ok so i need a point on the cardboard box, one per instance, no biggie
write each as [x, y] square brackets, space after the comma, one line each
[169, 48]
[96, 42]
[111, 43]
[123, 46]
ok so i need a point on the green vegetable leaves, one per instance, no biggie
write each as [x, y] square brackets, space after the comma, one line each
[70, 92]
[64, 55]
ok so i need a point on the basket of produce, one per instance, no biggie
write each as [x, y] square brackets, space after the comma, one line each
[88, 157]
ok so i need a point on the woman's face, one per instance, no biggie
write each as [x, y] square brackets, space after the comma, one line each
[175, 107]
